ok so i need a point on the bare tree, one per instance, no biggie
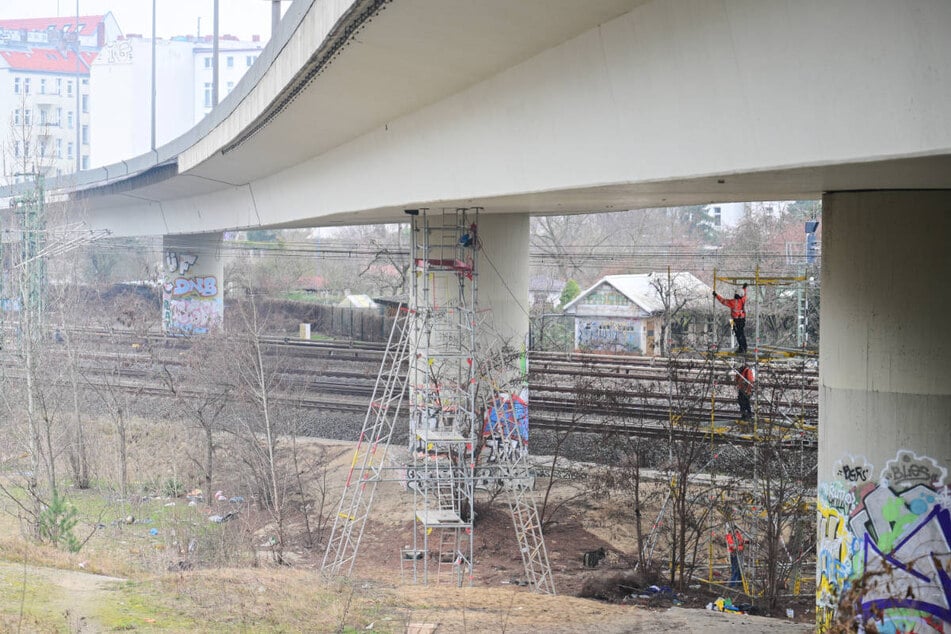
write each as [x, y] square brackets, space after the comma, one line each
[201, 388]
[257, 383]
[784, 479]
[688, 455]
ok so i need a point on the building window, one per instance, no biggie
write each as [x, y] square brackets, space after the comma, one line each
[59, 148]
[17, 149]
[85, 134]
[69, 150]
[85, 162]
[59, 117]
[27, 117]
[43, 86]
[42, 149]
[26, 149]
[59, 85]
[717, 216]
[207, 94]
[230, 61]
[69, 88]
[26, 85]
[43, 120]
[16, 85]
[85, 101]
[230, 87]
[207, 62]
[16, 117]
[69, 119]
[249, 60]
[85, 82]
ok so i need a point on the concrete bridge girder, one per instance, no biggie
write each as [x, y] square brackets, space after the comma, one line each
[748, 92]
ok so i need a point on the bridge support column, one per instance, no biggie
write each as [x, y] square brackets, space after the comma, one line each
[503, 275]
[193, 294]
[885, 410]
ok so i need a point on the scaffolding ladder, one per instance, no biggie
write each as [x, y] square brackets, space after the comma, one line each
[366, 469]
[442, 389]
[515, 474]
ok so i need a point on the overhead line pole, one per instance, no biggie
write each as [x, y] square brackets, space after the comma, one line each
[79, 116]
[152, 105]
[214, 58]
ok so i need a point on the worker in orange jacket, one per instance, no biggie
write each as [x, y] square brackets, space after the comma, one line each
[734, 544]
[737, 307]
[744, 390]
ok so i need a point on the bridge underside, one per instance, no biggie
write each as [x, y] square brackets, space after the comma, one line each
[552, 107]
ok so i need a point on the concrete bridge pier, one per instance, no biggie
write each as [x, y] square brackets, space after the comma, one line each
[503, 277]
[192, 294]
[885, 409]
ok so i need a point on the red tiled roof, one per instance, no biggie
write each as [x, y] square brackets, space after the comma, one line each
[48, 60]
[87, 23]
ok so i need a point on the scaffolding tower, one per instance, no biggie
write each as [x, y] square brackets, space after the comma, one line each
[436, 338]
[761, 428]
[443, 389]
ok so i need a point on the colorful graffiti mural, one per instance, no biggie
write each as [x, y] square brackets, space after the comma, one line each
[889, 540]
[191, 303]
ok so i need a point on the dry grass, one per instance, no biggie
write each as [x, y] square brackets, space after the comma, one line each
[229, 584]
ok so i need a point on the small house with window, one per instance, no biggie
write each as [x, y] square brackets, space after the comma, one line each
[633, 313]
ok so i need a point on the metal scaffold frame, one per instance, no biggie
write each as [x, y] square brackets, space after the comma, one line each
[26, 270]
[437, 338]
[761, 356]
[443, 390]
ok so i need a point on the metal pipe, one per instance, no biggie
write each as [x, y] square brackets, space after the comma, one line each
[214, 58]
[79, 115]
[275, 16]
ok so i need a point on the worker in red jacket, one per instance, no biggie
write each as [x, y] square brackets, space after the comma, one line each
[744, 390]
[737, 307]
[734, 544]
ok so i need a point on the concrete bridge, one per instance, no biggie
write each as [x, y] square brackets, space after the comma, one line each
[361, 108]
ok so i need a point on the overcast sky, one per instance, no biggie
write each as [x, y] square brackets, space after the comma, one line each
[242, 18]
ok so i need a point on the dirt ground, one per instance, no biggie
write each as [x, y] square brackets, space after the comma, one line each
[497, 601]
[498, 593]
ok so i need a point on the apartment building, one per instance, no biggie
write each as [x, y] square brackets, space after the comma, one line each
[45, 99]
[121, 80]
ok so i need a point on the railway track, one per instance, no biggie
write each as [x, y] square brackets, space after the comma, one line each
[593, 393]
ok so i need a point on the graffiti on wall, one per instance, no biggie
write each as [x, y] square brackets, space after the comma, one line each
[118, 52]
[888, 538]
[609, 335]
[191, 303]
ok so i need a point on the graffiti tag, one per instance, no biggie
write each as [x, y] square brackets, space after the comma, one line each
[202, 286]
[117, 52]
[179, 263]
[853, 469]
[907, 470]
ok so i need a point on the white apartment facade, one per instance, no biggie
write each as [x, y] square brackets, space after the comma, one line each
[234, 59]
[121, 80]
